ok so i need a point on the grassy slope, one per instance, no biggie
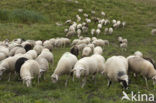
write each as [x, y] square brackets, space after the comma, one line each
[139, 14]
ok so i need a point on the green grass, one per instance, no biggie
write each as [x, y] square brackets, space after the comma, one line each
[35, 19]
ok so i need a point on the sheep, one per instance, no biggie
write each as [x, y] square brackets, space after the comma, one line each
[68, 21]
[8, 65]
[153, 32]
[114, 21]
[92, 31]
[94, 38]
[28, 47]
[17, 50]
[4, 50]
[84, 67]
[64, 66]
[123, 46]
[120, 39]
[78, 18]
[66, 30]
[44, 65]
[47, 55]
[86, 51]
[85, 15]
[103, 13]
[106, 30]
[80, 10]
[123, 24]
[81, 46]
[84, 29]
[32, 53]
[38, 48]
[93, 12]
[79, 32]
[99, 26]
[28, 71]
[79, 26]
[116, 68]
[98, 50]
[99, 42]
[91, 46]
[47, 44]
[110, 30]
[98, 31]
[38, 42]
[74, 50]
[144, 67]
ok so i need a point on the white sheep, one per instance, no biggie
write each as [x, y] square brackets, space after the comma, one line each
[64, 66]
[85, 67]
[2, 56]
[80, 10]
[38, 42]
[98, 31]
[103, 13]
[99, 26]
[44, 65]
[144, 67]
[86, 51]
[138, 53]
[123, 46]
[116, 68]
[153, 32]
[110, 30]
[92, 32]
[78, 18]
[79, 32]
[29, 70]
[38, 48]
[98, 50]
[47, 55]
[32, 53]
[47, 44]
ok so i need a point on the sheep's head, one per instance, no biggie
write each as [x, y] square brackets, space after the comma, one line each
[123, 80]
[154, 80]
[79, 71]
[54, 78]
[2, 70]
[27, 80]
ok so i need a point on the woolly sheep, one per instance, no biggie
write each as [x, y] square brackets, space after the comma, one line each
[123, 46]
[98, 31]
[138, 53]
[47, 55]
[32, 53]
[93, 32]
[86, 51]
[98, 50]
[144, 67]
[110, 30]
[116, 68]
[64, 66]
[47, 44]
[84, 67]
[153, 32]
[103, 13]
[38, 48]
[44, 65]
[74, 50]
[38, 42]
[28, 71]
[4, 50]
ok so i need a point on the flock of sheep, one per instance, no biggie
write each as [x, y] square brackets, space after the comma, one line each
[29, 59]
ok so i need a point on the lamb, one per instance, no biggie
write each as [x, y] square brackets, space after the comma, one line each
[64, 66]
[84, 67]
[44, 65]
[144, 67]
[28, 71]
[98, 50]
[116, 68]
[86, 51]
[47, 55]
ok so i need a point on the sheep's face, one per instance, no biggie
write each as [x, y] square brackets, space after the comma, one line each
[154, 80]
[79, 71]
[2, 70]
[54, 78]
[28, 82]
[124, 81]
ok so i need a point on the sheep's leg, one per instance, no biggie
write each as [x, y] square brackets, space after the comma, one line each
[146, 81]
[93, 78]
[109, 83]
[38, 78]
[9, 77]
[66, 83]
[83, 82]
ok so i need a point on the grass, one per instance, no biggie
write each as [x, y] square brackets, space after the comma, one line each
[35, 19]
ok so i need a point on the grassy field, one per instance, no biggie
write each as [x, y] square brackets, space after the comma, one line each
[35, 19]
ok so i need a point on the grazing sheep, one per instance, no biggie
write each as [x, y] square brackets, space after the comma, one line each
[47, 44]
[99, 26]
[98, 31]
[103, 13]
[17, 50]
[79, 32]
[106, 30]
[93, 32]
[84, 67]
[80, 10]
[98, 50]
[44, 65]
[47, 55]
[78, 18]
[32, 53]
[138, 53]
[110, 30]
[86, 51]
[64, 66]
[2, 56]
[5, 50]
[28, 71]
[116, 68]
[38, 42]
[141, 66]
[91, 46]
[28, 47]
[123, 24]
